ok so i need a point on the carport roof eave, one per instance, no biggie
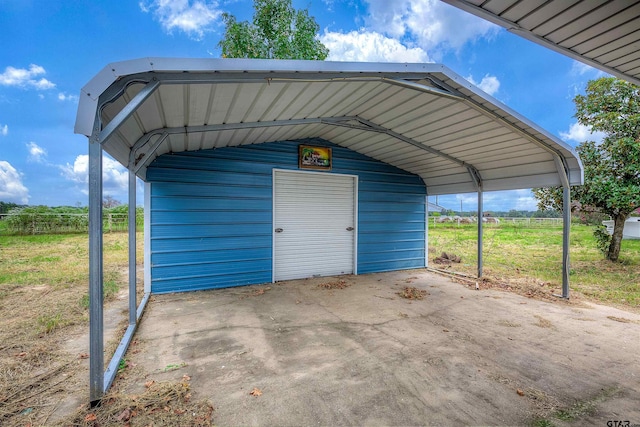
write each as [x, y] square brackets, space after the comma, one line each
[533, 34]
[115, 77]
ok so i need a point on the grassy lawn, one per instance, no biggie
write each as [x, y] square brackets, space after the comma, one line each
[43, 296]
[517, 253]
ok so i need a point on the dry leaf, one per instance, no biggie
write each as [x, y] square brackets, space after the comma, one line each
[90, 417]
[520, 392]
[124, 415]
[255, 392]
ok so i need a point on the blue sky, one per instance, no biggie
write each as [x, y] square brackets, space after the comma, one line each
[50, 49]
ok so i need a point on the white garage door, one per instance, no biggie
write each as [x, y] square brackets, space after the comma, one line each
[314, 224]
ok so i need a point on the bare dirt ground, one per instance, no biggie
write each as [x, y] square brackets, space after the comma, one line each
[401, 348]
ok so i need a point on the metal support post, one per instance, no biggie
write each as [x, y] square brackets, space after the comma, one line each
[132, 248]
[566, 228]
[96, 293]
[480, 231]
[426, 232]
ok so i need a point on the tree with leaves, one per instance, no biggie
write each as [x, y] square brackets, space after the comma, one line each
[612, 167]
[278, 31]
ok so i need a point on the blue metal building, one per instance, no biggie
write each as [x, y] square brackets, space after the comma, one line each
[213, 221]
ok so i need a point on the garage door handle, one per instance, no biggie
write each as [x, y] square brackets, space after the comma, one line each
[279, 230]
[349, 228]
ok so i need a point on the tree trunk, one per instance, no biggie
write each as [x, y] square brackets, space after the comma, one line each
[616, 238]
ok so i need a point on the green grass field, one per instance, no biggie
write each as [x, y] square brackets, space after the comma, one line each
[515, 252]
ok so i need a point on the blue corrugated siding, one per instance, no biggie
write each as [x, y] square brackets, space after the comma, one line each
[211, 214]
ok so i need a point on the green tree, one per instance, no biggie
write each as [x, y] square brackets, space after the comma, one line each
[611, 168]
[278, 31]
[6, 207]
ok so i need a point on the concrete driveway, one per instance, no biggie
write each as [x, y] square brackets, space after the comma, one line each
[359, 354]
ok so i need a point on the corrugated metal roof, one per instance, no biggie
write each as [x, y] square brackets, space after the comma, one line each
[422, 118]
[603, 34]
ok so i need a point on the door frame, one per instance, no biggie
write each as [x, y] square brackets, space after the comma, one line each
[273, 214]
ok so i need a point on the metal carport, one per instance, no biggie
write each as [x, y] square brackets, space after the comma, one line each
[422, 118]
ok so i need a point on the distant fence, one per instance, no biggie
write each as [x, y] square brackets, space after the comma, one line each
[58, 223]
[497, 221]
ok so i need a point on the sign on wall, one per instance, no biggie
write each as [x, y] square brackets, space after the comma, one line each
[314, 157]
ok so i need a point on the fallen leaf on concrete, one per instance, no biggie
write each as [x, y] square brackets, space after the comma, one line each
[124, 415]
[255, 392]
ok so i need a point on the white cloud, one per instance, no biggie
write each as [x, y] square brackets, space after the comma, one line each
[370, 47]
[64, 97]
[194, 17]
[4, 130]
[21, 77]
[489, 84]
[115, 177]
[523, 200]
[580, 69]
[11, 187]
[580, 133]
[37, 154]
[432, 23]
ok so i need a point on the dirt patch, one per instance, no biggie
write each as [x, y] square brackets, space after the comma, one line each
[336, 284]
[509, 323]
[255, 292]
[525, 286]
[447, 258]
[542, 322]
[411, 292]
[621, 319]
